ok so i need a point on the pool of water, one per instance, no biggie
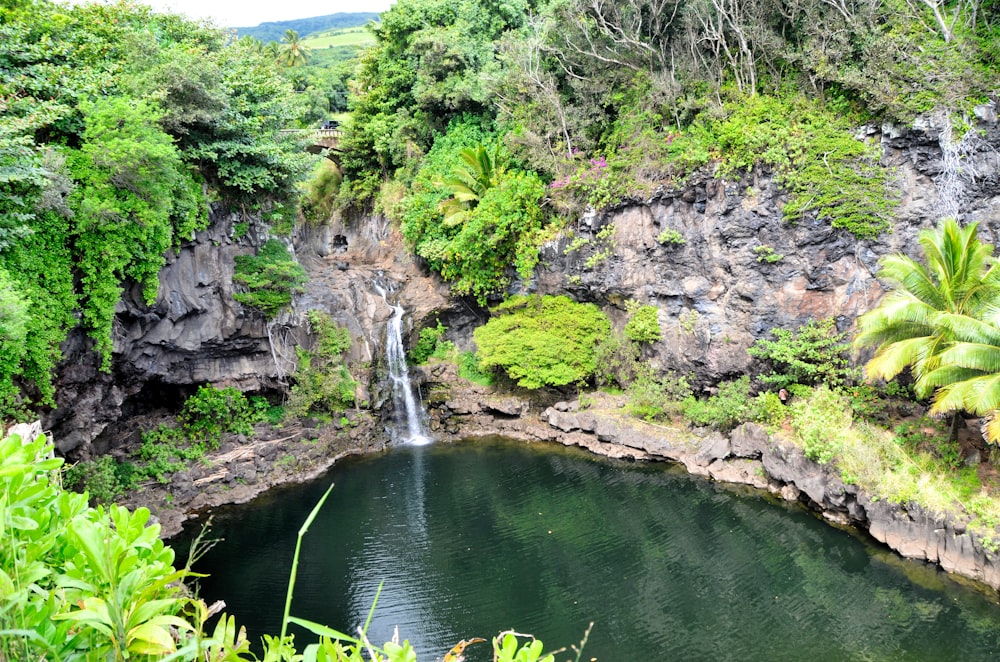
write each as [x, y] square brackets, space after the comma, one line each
[473, 538]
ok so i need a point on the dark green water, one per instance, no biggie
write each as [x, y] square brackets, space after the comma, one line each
[474, 538]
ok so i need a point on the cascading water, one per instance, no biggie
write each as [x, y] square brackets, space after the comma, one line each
[410, 430]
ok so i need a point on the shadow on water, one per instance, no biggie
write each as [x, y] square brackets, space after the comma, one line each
[473, 538]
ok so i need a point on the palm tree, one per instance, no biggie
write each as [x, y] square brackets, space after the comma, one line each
[968, 378]
[272, 49]
[293, 52]
[932, 310]
[960, 277]
[469, 184]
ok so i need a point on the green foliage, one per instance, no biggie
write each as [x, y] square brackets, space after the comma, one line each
[468, 368]
[473, 246]
[165, 451]
[79, 582]
[813, 354]
[468, 184]
[133, 193]
[821, 422]
[15, 317]
[929, 435]
[643, 325]
[729, 407]
[104, 479]
[428, 66]
[617, 361]
[115, 124]
[670, 236]
[827, 172]
[768, 410]
[321, 191]
[657, 399]
[201, 423]
[542, 341]
[323, 384]
[939, 321]
[767, 254]
[243, 153]
[430, 342]
[212, 412]
[271, 277]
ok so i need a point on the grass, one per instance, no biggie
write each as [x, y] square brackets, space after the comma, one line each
[888, 467]
[359, 37]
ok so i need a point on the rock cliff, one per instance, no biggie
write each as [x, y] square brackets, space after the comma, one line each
[195, 332]
[713, 294]
[716, 295]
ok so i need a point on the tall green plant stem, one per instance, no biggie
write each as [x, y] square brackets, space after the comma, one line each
[295, 560]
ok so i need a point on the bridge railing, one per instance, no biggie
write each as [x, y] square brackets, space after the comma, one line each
[319, 134]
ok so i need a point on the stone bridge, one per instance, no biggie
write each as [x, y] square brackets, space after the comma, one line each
[320, 141]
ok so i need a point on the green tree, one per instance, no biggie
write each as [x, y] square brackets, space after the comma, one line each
[968, 377]
[543, 341]
[813, 354]
[960, 277]
[469, 183]
[293, 52]
[500, 227]
[133, 194]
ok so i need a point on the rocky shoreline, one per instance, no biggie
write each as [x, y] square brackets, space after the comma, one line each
[244, 468]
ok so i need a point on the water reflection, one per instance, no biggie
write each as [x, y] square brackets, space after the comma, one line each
[473, 538]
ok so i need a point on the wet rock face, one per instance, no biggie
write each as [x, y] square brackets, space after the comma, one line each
[195, 332]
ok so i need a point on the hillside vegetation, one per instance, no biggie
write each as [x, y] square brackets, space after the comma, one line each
[274, 30]
[118, 128]
[605, 102]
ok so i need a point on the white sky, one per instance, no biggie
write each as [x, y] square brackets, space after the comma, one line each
[248, 13]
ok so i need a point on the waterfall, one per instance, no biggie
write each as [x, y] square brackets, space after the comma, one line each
[411, 430]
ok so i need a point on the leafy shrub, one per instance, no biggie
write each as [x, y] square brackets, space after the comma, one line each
[468, 368]
[821, 422]
[270, 277]
[500, 224]
[166, 451]
[15, 316]
[543, 341]
[135, 199]
[265, 411]
[88, 583]
[657, 399]
[724, 410]
[670, 236]
[212, 412]
[320, 191]
[768, 409]
[813, 354]
[322, 381]
[643, 325]
[204, 418]
[105, 479]
[430, 343]
[617, 361]
[767, 254]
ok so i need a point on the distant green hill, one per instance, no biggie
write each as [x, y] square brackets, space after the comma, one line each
[357, 37]
[272, 31]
